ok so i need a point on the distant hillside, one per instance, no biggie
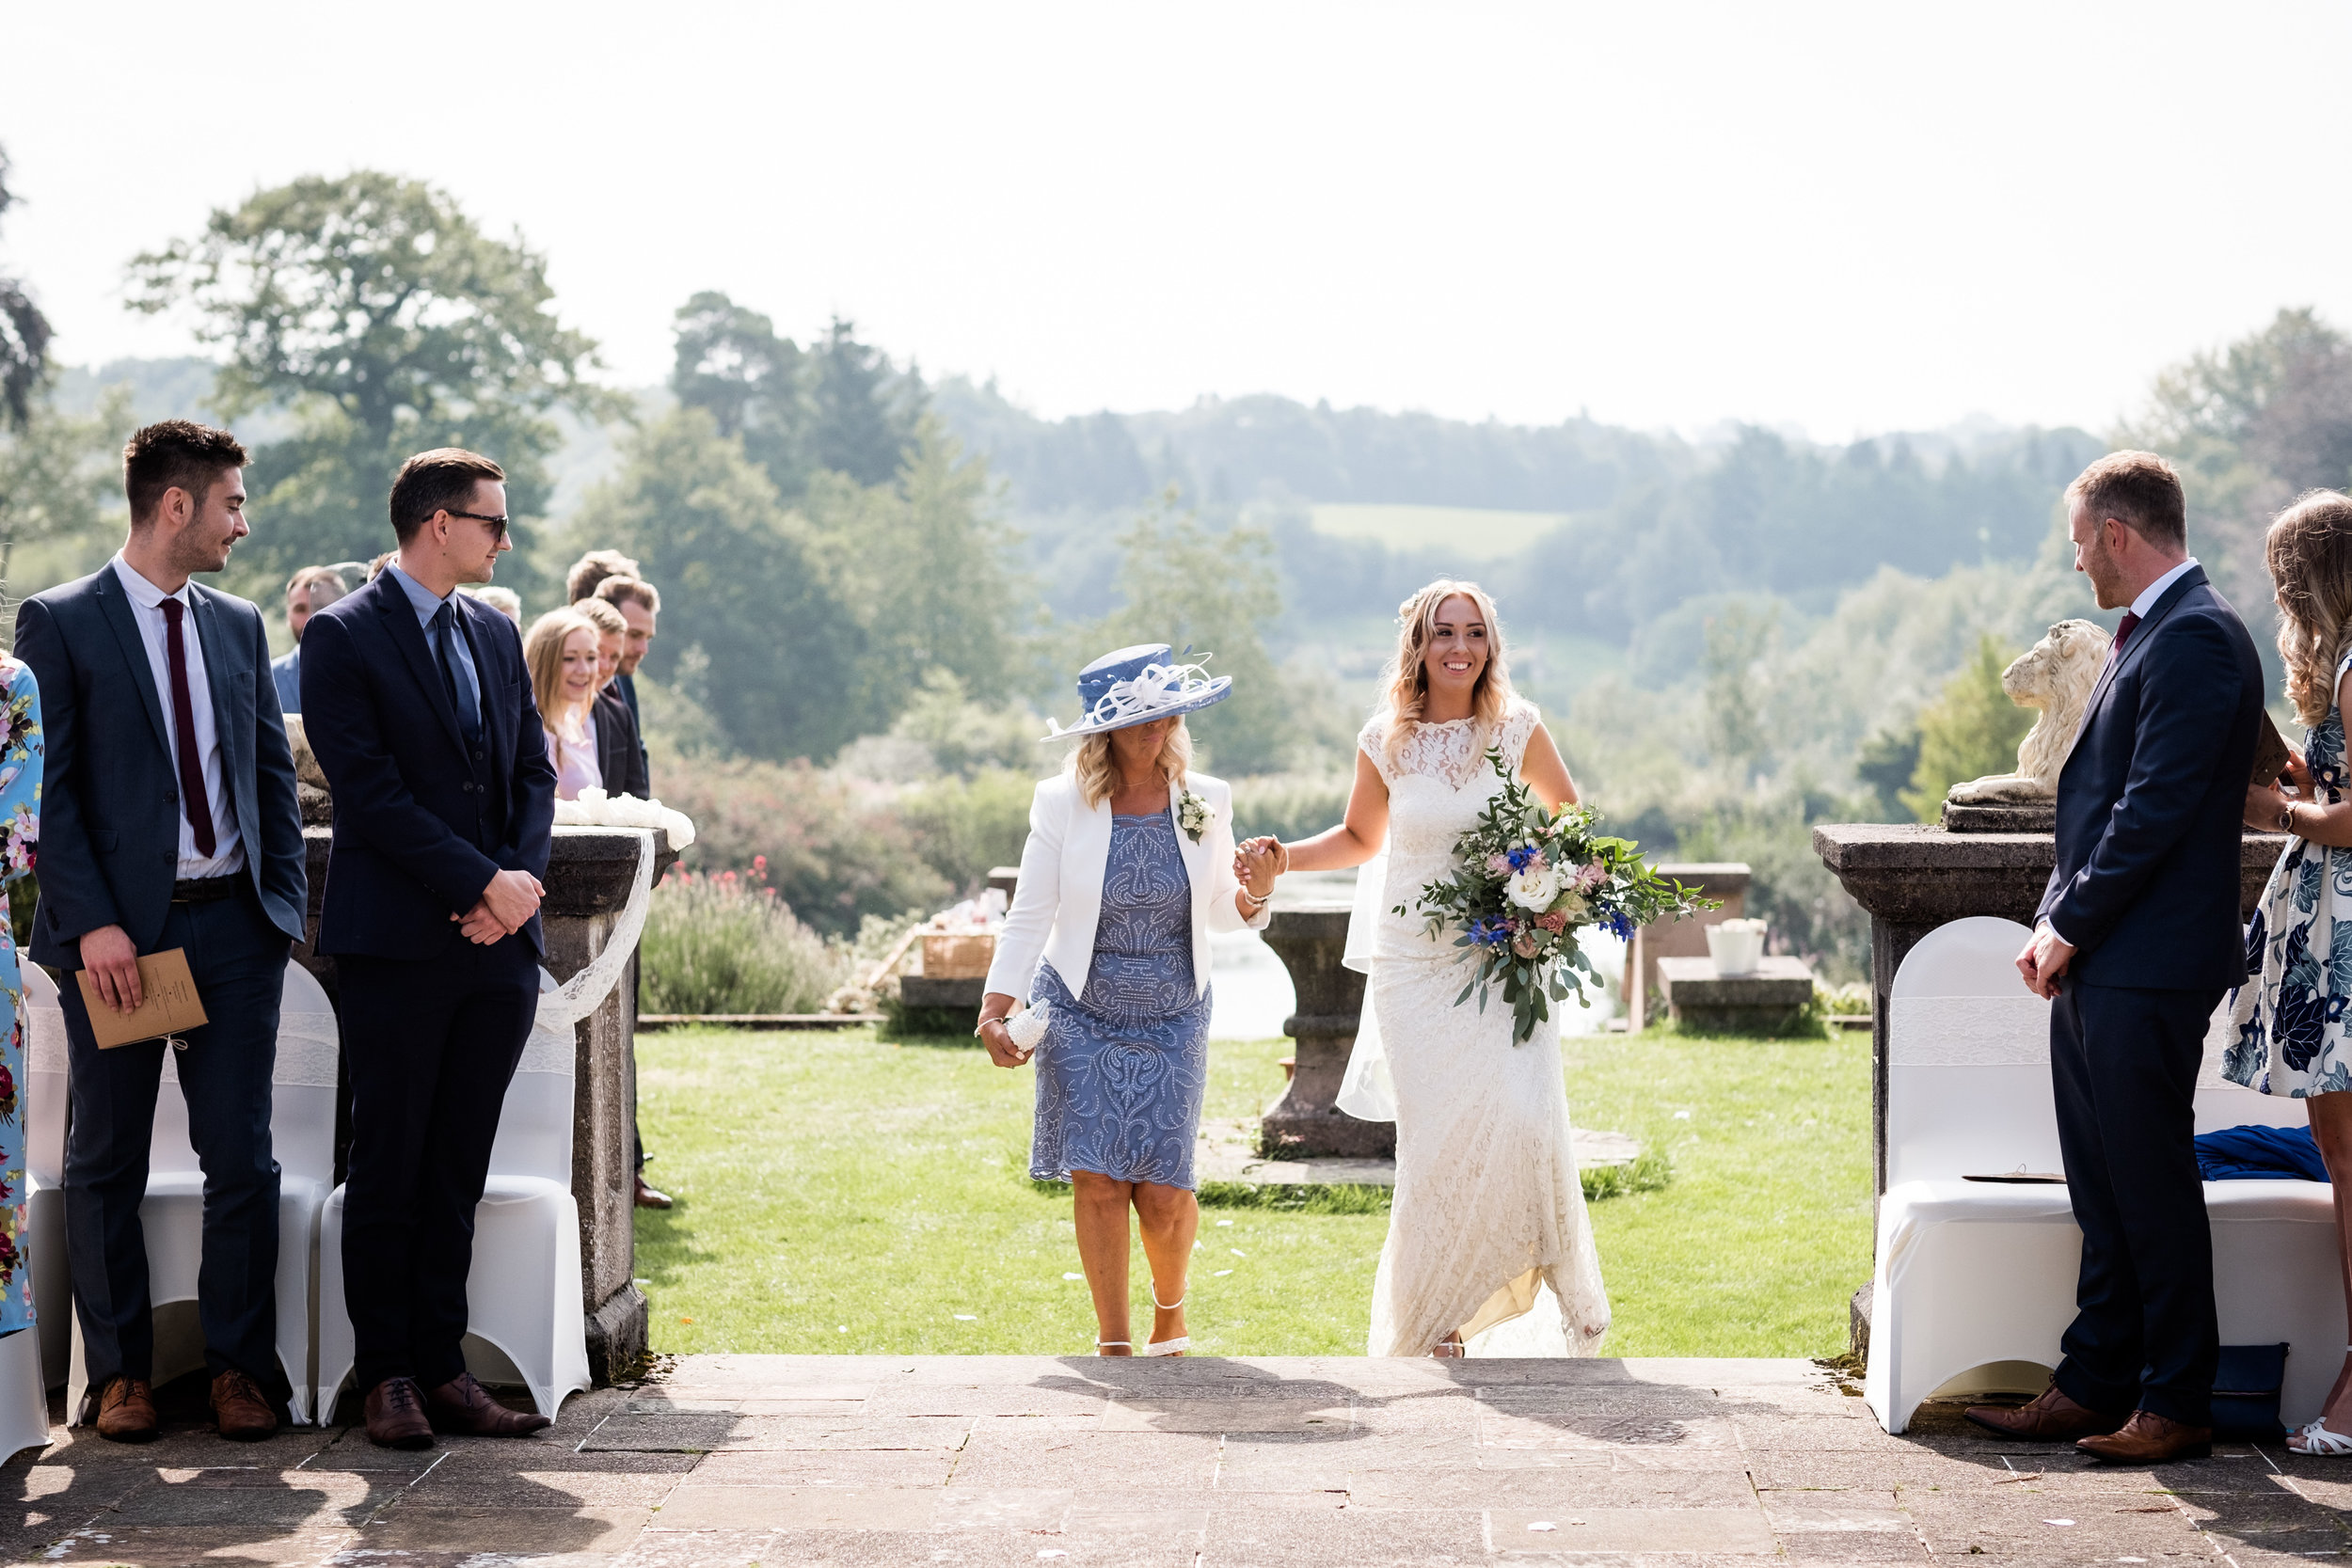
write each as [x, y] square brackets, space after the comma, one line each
[1582, 528]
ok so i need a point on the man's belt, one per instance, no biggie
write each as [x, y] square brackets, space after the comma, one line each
[204, 890]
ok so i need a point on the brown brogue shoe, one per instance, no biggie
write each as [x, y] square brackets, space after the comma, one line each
[2051, 1418]
[2149, 1438]
[126, 1412]
[651, 1197]
[461, 1405]
[241, 1410]
[396, 1416]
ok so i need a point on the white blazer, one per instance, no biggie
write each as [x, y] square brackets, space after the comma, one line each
[1059, 897]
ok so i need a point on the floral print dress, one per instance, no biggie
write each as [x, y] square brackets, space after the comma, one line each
[20, 838]
[2292, 1038]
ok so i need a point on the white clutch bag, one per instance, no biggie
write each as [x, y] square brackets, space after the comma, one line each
[1028, 1026]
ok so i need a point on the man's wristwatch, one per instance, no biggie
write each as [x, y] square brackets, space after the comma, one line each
[2286, 817]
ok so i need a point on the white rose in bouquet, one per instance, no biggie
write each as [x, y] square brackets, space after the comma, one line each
[1535, 888]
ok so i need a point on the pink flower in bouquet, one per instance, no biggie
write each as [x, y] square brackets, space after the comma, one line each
[1497, 867]
[1556, 920]
[1590, 876]
[1524, 944]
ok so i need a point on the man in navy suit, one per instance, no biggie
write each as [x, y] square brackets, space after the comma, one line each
[419, 705]
[2137, 940]
[168, 821]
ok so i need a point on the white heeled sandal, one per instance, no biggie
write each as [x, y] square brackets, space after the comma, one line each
[1183, 1341]
[2320, 1442]
[1100, 1345]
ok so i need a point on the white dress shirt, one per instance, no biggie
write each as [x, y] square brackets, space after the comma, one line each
[146, 608]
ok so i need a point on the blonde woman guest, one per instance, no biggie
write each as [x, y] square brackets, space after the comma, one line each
[620, 759]
[1488, 1230]
[560, 651]
[2292, 1038]
[1129, 865]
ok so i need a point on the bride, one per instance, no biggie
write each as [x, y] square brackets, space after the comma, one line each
[1489, 1243]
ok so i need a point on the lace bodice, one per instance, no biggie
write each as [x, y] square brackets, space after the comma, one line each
[1437, 785]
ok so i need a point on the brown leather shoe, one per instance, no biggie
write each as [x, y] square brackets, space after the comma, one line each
[2149, 1438]
[651, 1197]
[241, 1410]
[396, 1416]
[462, 1405]
[2052, 1417]
[126, 1412]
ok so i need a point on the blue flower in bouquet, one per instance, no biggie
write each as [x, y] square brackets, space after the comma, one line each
[1490, 933]
[1619, 927]
[1523, 856]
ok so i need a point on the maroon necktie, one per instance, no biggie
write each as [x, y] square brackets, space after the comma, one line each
[192, 797]
[2123, 630]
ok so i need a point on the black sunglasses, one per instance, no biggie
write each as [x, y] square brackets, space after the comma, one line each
[497, 525]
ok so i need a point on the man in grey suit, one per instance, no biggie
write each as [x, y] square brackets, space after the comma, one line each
[168, 821]
[308, 591]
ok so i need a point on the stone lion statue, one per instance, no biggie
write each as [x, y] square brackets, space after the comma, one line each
[2055, 675]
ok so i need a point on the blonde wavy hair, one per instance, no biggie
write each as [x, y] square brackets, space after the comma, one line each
[1405, 680]
[1090, 762]
[543, 656]
[2308, 551]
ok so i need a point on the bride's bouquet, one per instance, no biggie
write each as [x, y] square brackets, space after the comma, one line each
[1527, 879]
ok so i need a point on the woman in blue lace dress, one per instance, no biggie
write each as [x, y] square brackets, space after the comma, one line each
[2293, 1035]
[1129, 865]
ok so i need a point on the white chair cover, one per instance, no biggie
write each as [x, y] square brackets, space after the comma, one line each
[44, 1174]
[302, 1138]
[523, 1295]
[1974, 1281]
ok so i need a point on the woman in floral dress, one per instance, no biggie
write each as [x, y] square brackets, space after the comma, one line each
[20, 837]
[2293, 1036]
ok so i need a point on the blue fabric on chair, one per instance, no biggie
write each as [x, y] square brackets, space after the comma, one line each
[2259, 1154]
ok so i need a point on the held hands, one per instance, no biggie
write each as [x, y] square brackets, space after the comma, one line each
[2044, 960]
[504, 908]
[1257, 861]
[114, 967]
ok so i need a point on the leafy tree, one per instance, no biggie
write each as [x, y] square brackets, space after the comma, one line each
[1187, 586]
[731, 362]
[1884, 765]
[57, 474]
[1971, 730]
[2251, 425]
[866, 416]
[388, 322]
[24, 337]
[753, 587]
[1738, 639]
[925, 562]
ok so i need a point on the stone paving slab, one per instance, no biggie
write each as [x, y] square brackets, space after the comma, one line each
[1259, 1463]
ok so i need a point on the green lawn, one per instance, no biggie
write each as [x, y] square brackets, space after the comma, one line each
[839, 1193]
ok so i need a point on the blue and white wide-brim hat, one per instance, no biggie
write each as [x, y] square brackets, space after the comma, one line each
[1135, 686]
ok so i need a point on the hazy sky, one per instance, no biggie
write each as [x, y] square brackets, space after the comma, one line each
[1844, 217]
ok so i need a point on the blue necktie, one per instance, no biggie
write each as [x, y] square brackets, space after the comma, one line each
[461, 697]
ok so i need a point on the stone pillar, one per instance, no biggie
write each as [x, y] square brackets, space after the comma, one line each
[1910, 879]
[590, 872]
[1310, 940]
[1682, 938]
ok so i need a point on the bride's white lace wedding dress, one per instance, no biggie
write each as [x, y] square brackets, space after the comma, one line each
[1488, 1234]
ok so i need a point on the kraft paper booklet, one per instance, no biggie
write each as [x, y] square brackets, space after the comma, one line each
[2271, 753]
[171, 1007]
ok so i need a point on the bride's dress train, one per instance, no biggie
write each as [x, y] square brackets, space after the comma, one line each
[1488, 1234]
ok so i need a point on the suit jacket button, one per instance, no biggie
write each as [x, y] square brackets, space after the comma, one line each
[468, 786]
[171, 796]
